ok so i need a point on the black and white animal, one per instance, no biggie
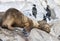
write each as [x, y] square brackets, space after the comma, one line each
[34, 10]
[48, 14]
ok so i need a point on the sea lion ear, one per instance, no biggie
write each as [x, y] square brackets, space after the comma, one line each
[51, 25]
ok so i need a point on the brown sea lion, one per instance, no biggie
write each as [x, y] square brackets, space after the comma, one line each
[14, 18]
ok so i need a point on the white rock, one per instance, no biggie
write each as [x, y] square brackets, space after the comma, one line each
[38, 35]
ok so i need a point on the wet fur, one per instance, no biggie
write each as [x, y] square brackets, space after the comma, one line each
[13, 18]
